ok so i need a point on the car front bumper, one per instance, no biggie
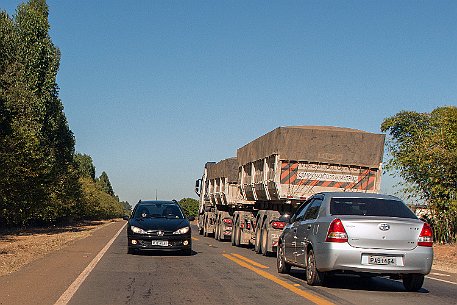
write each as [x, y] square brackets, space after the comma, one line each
[174, 242]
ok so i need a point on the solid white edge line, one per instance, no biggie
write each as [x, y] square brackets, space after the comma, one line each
[71, 290]
[440, 280]
[439, 274]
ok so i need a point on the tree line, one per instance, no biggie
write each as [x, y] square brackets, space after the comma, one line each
[42, 178]
[423, 152]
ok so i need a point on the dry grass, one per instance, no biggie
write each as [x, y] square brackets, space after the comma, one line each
[445, 257]
[19, 247]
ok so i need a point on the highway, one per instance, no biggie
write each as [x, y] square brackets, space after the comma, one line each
[218, 273]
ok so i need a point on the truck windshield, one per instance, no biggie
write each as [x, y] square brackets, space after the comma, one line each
[370, 207]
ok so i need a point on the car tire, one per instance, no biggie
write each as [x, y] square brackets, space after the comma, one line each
[130, 250]
[281, 264]
[187, 252]
[313, 276]
[413, 282]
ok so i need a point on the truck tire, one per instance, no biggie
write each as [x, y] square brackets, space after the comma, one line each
[281, 264]
[413, 282]
[265, 239]
[216, 230]
[313, 276]
[258, 237]
[232, 238]
[238, 233]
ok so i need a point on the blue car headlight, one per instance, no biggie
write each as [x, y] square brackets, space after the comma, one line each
[182, 230]
[138, 230]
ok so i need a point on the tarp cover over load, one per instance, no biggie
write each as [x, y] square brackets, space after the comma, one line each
[225, 168]
[320, 144]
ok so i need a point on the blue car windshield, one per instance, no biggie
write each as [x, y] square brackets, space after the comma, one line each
[370, 207]
[159, 210]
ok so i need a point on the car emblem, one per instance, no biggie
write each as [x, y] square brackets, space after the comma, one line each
[384, 226]
[159, 233]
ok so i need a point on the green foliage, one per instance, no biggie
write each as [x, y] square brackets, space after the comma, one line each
[104, 184]
[423, 150]
[38, 182]
[190, 206]
[85, 166]
[97, 204]
[39, 170]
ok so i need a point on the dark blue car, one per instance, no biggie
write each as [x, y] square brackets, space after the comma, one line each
[159, 225]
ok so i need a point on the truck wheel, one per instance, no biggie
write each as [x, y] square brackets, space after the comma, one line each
[413, 282]
[257, 241]
[216, 231]
[200, 231]
[264, 245]
[281, 264]
[205, 229]
[238, 234]
[232, 238]
[313, 276]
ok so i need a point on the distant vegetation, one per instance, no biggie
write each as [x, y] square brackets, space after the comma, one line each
[190, 206]
[42, 179]
[423, 150]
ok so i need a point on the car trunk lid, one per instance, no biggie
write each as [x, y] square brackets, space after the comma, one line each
[382, 233]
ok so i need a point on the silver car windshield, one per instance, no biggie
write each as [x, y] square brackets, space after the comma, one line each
[370, 207]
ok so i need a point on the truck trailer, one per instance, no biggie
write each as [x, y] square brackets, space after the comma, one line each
[247, 199]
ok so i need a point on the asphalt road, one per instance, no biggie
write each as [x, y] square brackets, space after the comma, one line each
[218, 273]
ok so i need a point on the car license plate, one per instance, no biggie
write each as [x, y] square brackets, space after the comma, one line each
[382, 260]
[163, 243]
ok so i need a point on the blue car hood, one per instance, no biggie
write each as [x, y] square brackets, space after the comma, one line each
[164, 224]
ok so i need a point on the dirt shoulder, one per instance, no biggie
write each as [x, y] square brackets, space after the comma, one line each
[19, 247]
[445, 258]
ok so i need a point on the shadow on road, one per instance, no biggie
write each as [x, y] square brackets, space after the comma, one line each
[355, 282]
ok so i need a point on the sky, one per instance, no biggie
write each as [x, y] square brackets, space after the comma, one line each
[154, 89]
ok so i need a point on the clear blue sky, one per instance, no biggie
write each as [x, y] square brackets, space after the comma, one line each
[154, 89]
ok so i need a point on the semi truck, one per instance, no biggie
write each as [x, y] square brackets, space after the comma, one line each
[247, 199]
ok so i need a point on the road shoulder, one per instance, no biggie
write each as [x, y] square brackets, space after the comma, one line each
[44, 280]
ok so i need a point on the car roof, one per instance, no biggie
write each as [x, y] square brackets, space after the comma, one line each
[357, 195]
[157, 202]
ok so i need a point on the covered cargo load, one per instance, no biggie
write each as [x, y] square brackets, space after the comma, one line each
[223, 182]
[296, 162]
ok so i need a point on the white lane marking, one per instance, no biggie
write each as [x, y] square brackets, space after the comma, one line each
[439, 274]
[68, 294]
[440, 280]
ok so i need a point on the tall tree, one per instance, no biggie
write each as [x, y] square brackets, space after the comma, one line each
[104, 184]
[423, 149]
[85, 165]
[38, 179]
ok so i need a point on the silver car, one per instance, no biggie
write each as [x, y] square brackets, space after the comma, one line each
[365, 234]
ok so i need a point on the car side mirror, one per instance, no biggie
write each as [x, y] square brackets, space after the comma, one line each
[191, 218]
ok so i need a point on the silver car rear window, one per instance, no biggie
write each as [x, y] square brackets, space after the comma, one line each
[370, 207]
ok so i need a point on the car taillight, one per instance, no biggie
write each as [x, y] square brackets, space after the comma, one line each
[278, 224]
[228, 221]
[426, 236]
[336, 232]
